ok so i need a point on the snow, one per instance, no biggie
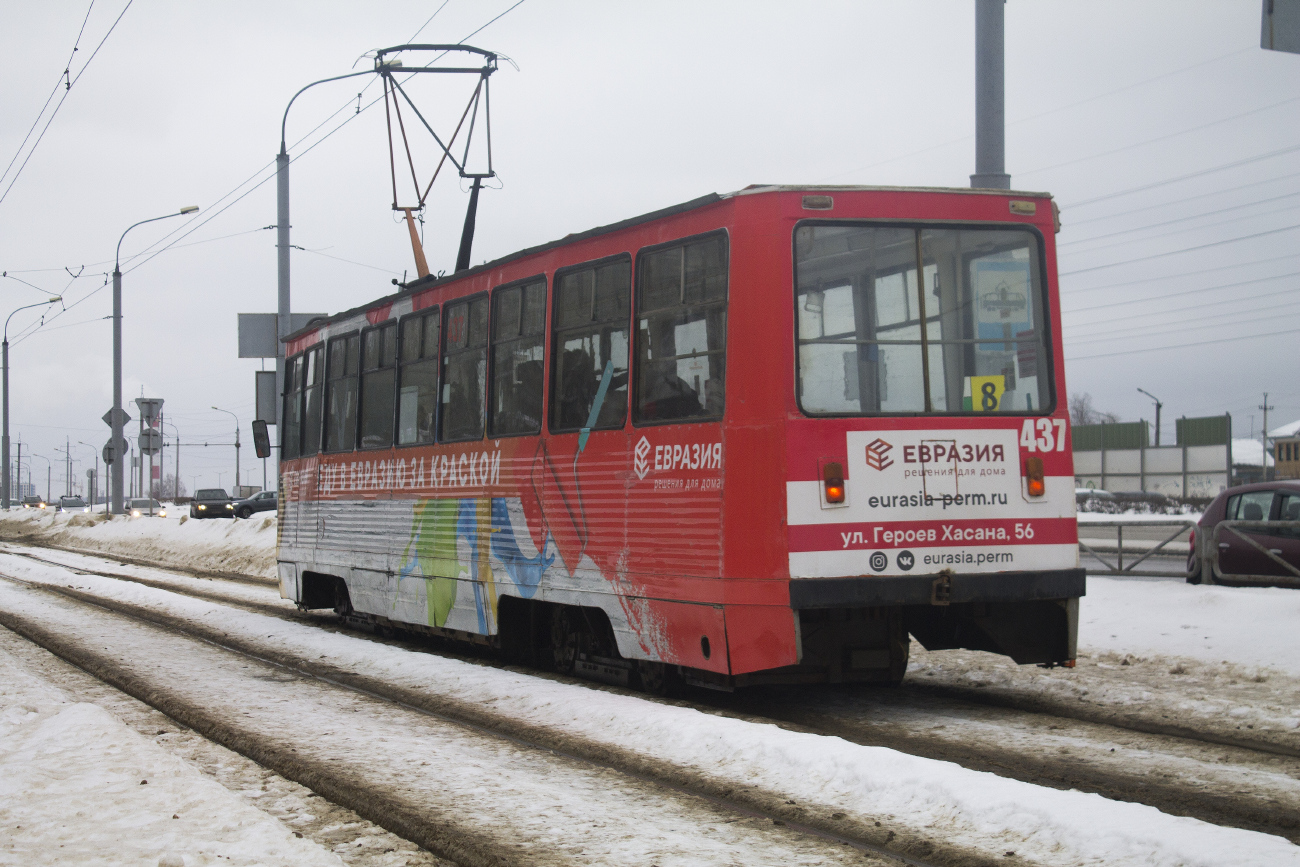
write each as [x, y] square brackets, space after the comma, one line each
[1136, 518]
[1286, 430]
[1248, 452]
[1249, 626]
[78, 786]
[1166, 619]
[218, 544]
[922, 796]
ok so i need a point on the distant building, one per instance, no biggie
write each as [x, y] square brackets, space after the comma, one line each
[1286, 450]
[1248, 462]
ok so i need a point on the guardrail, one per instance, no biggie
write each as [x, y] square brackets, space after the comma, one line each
[1184, 525]
[1209, 553]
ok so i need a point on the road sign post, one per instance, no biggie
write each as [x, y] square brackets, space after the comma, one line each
[113, 451]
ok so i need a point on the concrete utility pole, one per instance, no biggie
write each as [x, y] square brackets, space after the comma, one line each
[990, 113]
[1263, 438]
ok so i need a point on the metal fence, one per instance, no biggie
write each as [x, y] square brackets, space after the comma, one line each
[1138, 553]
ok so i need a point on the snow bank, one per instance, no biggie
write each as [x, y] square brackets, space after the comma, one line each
[244, 547]
[77, 786]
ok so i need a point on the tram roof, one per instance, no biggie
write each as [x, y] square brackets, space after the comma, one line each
[423, 283]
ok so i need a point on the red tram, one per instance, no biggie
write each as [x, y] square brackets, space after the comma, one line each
[755, 438]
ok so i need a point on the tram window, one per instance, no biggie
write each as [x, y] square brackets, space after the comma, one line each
[518, 331]
[682, 330]
[417, 395]
[899, 319]
[464, 370]
[341, 393]
[592, 309]
[292, 407]
[313, 383]
[378, 381]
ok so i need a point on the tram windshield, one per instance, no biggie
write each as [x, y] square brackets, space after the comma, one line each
[911, 319]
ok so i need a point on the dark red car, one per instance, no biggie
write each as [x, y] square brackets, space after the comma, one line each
[1263, 501]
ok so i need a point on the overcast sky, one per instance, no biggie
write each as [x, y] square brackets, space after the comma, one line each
[1163, 130]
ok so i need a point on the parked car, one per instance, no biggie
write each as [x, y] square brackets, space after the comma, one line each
[73, 504]
[262, 501]
[1262, 501]
[212, 503]
[33, 503]
[145, 506]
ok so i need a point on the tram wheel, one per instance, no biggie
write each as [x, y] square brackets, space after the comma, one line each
[656, 678]
[342, 601]
[564, 640]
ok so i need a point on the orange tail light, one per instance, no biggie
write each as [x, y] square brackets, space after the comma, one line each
[833, 482]
[1034, 483]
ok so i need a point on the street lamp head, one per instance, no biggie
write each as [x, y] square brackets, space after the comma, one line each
[55, 299]
[190, 209]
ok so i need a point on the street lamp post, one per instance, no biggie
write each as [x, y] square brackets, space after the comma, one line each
[49, 473]
[176, 484]
[93, 494]
[236, 418]
[1158, 406]
[117, 355]
[4, 480]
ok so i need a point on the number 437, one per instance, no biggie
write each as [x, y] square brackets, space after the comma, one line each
[1050, 435]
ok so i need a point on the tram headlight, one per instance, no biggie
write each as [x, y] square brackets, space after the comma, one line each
[1034, 484]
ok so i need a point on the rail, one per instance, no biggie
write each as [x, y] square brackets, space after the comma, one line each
[1183, 525]
[1288, 577]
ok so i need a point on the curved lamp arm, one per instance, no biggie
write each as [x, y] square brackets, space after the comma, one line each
[117, 258]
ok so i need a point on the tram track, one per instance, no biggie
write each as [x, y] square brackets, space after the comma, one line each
[832, 835]
[1227, 784]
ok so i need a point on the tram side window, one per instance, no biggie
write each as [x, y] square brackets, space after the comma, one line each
[464, 370]
[682, 330]
[313, 384]
[518, 331]
[592, 308]
[341, 394]
[292, 407]
[378, 382]
[417, 396]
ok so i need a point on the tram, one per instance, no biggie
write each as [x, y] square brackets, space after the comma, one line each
[760, 437]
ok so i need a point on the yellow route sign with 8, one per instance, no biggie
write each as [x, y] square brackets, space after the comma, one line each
[986, 392]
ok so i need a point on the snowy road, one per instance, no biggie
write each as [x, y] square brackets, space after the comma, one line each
[473, 796]
[910, 816]
[1198, 769]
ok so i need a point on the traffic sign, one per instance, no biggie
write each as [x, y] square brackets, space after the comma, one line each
[149, 408]
[108, 417]
[151, 441]
[111, 452]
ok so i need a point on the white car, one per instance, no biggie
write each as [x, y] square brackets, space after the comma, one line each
[145, 506]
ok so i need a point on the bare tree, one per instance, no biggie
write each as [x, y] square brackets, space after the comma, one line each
[1083, 412]
[168, 488]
